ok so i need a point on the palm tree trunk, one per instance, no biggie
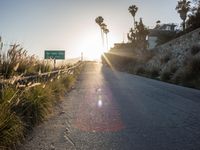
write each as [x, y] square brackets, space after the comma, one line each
[102, 37]
[107, 40]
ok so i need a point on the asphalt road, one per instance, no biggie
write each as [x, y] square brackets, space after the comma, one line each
[114, 110]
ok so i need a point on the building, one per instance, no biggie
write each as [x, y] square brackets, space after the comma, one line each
[164, 31]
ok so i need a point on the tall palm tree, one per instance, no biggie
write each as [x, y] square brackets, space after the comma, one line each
[99, 20]
[133, 10]
[103, 28]
[183, 7]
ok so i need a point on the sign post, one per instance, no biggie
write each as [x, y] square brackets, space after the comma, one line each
[54, 54]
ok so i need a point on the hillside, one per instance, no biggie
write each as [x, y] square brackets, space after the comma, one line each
[177, 61]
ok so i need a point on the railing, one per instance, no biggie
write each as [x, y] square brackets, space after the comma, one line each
[42, 77]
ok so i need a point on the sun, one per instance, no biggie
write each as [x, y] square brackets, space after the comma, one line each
[93, 54]
[92, 48]
[91, 44]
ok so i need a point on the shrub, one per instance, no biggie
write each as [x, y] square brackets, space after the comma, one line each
[193, 66]
[167, 73]
[11, 127]
[195, 49]
[139, 70]
[190, 74]
[6, 93]
[57, 87]
[34, 105]
[21, 108]
[67, 81]
[153, 72]
[178, 76]
[16, 62]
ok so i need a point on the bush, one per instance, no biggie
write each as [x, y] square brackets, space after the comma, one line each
[195, 49]
[34, 105]
[178, 76]
[140, 70]
[167, 73]
[153, 72]
[57, 87]
[16, 62]
[23, 107]
[11, 127]
[165, 76]
[67, 81]
[190, 74]
[193, 66]
[6, 93]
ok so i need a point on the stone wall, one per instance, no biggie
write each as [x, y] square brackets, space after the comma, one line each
[177, 50]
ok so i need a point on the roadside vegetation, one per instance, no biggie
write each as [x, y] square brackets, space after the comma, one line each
[182, 69]
[164, 67]
[24, 105]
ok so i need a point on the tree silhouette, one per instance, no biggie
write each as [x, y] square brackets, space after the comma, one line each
[131, 35]
[194, 18]
[141, 33]
[99, 20]
[106, 31]
[157, 24]
[183, 7]
[138, 35]
[133, 10]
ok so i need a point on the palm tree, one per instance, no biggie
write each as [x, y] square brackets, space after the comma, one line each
[106, 31]
[103, 27]
[183, 8]
[99, 20]
[133, 9]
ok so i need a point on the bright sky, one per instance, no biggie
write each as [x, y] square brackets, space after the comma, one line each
[70, 24]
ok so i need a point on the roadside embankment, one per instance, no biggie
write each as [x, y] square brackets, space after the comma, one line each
[177, 61]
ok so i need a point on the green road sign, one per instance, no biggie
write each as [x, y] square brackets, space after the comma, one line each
[54, 54]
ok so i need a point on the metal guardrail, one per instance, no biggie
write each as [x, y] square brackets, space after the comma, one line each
[41, 77]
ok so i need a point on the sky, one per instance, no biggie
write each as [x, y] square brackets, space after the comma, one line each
[69, 25]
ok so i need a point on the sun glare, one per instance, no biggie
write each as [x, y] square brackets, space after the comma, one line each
[91, 45]
[91, 48]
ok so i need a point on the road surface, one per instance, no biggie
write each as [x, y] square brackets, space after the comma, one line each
[110, 110]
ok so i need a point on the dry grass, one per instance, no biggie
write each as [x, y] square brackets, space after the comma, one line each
[16, 62]
[11, 127]
[189, 75]
[168, 72]
[195, 49]
[23, 106]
